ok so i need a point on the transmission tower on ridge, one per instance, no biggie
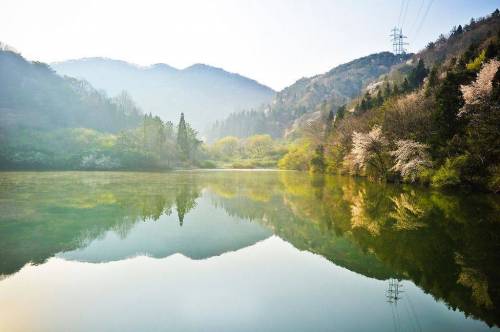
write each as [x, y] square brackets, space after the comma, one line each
[398, 43]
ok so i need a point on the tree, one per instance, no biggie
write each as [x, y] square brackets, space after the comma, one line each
[417, 75]
[448, 100]
[341, 112]
[481, 111]
[387, 90]
[411, 158]
[368, 152]
[227, 147]
[259, 145]
[182, 138]
[405, 87]
[317, 163]
[432, 81]
[475, 94]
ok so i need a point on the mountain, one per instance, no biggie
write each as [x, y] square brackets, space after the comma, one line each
[203, 93]
[303, 98]
[32, 95]
[44, 117]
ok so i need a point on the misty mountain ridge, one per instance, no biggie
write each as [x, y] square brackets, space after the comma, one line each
[202, 92]
[33, 96]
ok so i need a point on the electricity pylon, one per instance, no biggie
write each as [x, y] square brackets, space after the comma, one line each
[398, 43]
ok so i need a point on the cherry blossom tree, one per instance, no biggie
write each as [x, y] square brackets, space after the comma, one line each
[479, 91]
[411, 158]
[368, 151]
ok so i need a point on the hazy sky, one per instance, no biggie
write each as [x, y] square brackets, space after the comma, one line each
[273, 41]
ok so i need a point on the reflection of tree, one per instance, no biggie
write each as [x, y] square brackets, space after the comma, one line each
[476, 281]
[76, 208]
[185, 201]
[406, 212]
[373, 229]
[447, 244]
[360, 217]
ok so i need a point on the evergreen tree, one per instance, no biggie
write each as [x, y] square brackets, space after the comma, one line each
[387, 90]
[396, 90]
[341, 112]
[380, 98]
[405, 87]
[417, 75]
[491, 50]
[182, 138]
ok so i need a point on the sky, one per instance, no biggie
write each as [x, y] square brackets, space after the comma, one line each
[275, 42]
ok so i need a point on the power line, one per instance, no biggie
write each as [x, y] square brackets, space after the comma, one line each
[417, 17]
[404, 14]
[423, 18]
[401, 11]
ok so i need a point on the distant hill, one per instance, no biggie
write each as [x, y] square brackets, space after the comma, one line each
[202, 92]
[335, 87]
[33, 96]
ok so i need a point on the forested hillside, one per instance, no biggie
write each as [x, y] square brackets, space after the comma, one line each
[434, 122]
[33, 95]
[298, 102]
[203, 93]
[53, 122]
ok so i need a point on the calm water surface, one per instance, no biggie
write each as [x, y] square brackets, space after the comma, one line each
[243, 251]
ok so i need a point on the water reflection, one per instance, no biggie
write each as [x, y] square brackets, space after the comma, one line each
[448, 245]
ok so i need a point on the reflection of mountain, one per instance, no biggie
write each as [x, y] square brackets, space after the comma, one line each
[105, 216]
[447, 244]
[306, 235]
[204, 234]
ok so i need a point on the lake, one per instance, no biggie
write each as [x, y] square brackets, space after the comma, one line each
[243, 251]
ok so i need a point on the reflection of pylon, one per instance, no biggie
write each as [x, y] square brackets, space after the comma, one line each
[394, 291]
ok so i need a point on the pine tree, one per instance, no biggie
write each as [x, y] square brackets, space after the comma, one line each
[341, 112]
[405, 86]
[387, 90]
[182, 138]
[380, 98]
[417, 75]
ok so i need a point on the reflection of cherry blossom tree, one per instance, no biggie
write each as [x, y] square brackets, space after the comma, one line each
[411, 158]
[406, 212]
[360, 217]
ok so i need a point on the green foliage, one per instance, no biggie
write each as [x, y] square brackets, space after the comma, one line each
[448, 175]
[227, 147]
[317, 163]
[449, 100]
[259, 145]
[297, 158]
[258, 151]
[475, 64]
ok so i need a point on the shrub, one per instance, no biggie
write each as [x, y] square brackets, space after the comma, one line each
[448, 175]
[297, 158]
